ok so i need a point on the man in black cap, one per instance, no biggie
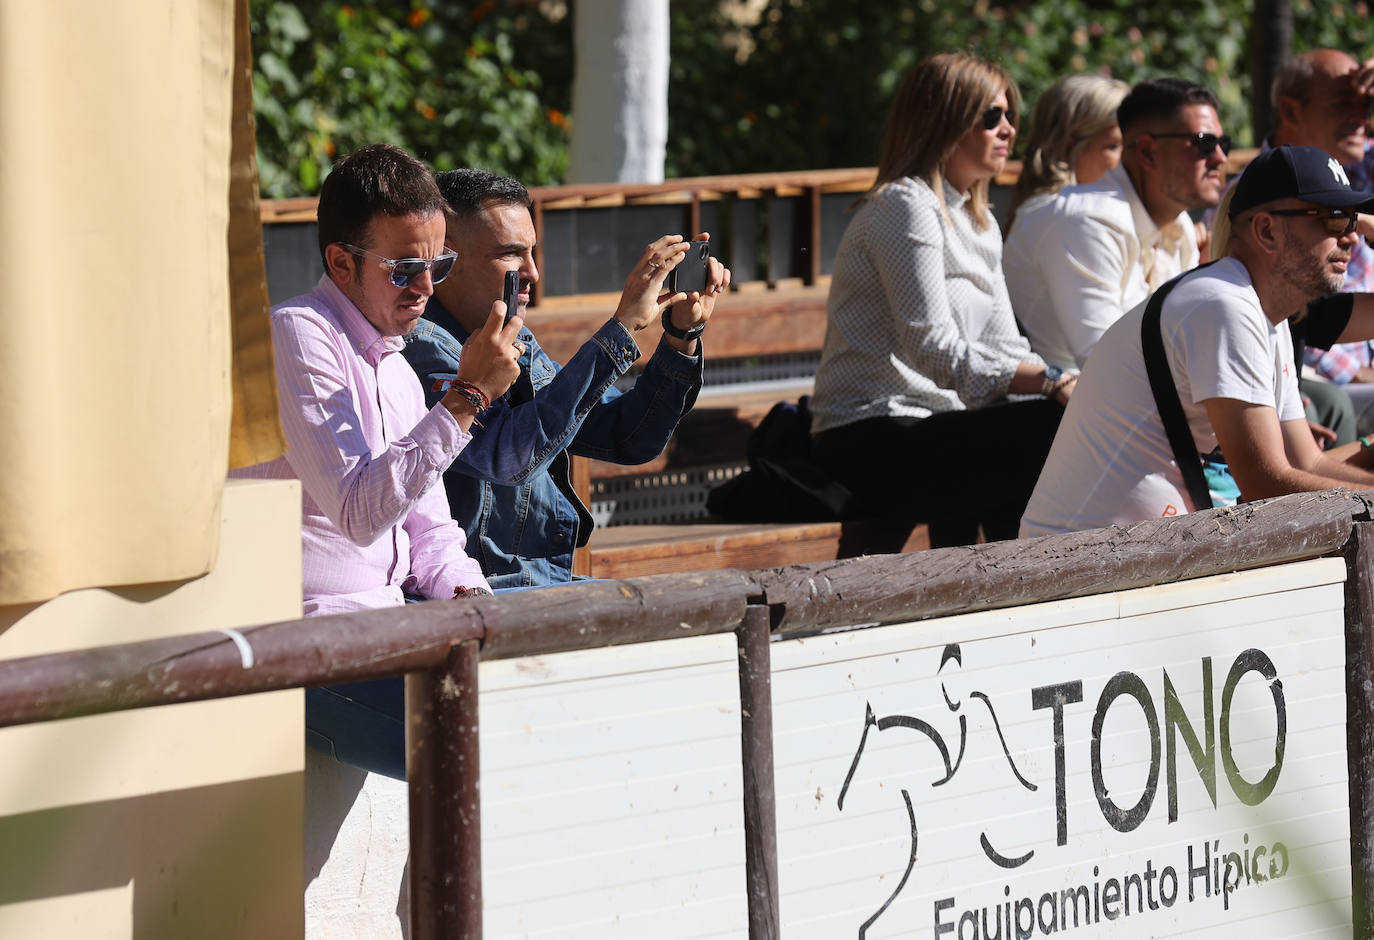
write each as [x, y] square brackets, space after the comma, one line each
[1226, 345]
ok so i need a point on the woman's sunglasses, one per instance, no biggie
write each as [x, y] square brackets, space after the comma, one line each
[1205, 144]
[405, 270]
[1338, 222]
[993, 117]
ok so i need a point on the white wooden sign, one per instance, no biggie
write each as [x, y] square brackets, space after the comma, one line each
[612, 802]
[1143, 764]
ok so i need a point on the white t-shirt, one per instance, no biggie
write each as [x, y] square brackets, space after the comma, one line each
[1111, 461]
[1076, 261]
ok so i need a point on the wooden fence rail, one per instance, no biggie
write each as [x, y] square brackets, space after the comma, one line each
[439, 644]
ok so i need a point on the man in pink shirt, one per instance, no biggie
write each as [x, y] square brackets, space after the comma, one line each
[376, 525]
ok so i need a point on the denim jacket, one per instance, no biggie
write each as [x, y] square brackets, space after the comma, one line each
[510, 488]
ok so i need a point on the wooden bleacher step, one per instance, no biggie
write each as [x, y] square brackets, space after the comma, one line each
[631, 551]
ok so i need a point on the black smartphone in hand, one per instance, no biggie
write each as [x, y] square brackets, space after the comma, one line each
[512, 294]
[690, 273]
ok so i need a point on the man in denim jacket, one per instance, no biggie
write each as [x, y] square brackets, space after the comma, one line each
[510, 488]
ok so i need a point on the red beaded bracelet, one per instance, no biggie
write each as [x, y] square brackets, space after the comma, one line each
[465, 386]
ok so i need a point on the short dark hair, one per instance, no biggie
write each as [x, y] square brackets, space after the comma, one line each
[468, 191]
[377, 180]
[1160, 98]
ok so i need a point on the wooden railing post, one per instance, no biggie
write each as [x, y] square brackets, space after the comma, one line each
[811, 238]
[760, 803]
[445, 805]
[1359, 704]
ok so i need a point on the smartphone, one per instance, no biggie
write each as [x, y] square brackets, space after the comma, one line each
[690, 273]
[512, 294]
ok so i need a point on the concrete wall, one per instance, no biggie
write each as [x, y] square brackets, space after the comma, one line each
[181, 821]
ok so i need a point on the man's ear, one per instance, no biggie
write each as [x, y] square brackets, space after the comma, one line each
[1145, 147]
[1264, 228]
[340, 264]
[1290, 110]
[453, 236]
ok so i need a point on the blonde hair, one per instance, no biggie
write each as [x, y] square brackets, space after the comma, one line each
[939, 100]
[1221, 225]
[1069, 112]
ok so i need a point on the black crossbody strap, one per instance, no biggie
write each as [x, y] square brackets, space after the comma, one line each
[1166, 397]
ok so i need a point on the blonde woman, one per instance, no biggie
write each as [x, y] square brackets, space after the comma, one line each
[921, 350]
[1074, 137]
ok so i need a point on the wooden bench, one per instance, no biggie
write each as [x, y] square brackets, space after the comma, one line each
[632, 551]
[754, 321]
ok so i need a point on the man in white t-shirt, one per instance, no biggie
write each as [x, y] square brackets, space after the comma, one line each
[1076, 261]
[1227, 344]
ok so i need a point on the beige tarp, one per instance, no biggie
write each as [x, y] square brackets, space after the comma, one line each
[117, 127]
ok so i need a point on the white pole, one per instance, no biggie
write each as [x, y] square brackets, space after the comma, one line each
[620, 91]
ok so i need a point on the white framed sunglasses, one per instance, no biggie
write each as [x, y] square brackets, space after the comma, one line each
[404, 270]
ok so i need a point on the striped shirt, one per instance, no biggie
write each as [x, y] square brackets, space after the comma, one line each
[375, 521]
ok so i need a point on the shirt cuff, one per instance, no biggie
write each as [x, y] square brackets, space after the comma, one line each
[618, 343]
[676, 363]
[1005, 379]
[440, 438]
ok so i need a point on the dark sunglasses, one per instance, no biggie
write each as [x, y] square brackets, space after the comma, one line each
[1338, 222]
[993, 117]
[1205, 144]
[405, 270]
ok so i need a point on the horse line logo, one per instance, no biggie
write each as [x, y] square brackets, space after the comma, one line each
[952, 654]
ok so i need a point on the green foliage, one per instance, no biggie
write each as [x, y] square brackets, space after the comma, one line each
[488, 82]
[814, 88]
[1327, 25]
[445, 82]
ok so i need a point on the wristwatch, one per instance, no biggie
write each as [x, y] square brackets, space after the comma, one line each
[1052, 376]
[688, 334]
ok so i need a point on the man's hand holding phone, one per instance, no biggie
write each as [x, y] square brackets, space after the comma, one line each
[689, 315]
[488, 366]
[645, 298]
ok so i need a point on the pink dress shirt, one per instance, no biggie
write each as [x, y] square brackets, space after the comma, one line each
[370, 458]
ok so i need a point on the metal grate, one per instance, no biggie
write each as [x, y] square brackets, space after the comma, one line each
[782, 367]
[747, 370]
[680, 496]
[658, 498]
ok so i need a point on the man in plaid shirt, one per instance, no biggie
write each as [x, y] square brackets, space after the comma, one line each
[1322, 99]
[1344, 362]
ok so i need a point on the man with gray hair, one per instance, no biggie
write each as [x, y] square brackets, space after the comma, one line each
[1322, 99]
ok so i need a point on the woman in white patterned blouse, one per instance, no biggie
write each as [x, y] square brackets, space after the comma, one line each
[921, 349]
